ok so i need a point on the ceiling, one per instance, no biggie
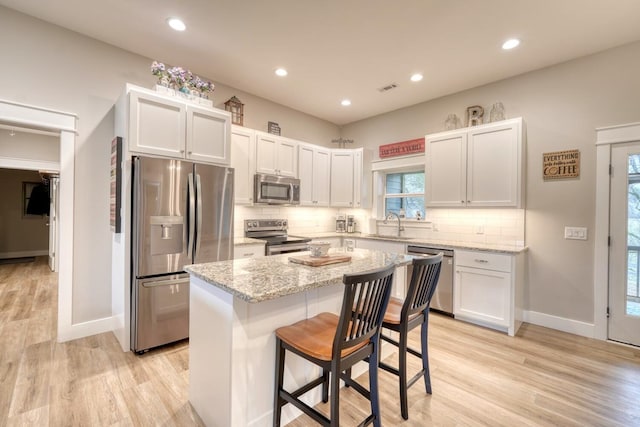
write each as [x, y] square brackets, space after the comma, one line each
[336, 49]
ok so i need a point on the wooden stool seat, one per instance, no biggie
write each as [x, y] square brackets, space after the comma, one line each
[315, 336]
[394, 311]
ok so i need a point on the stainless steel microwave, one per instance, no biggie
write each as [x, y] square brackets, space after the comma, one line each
[276, 190]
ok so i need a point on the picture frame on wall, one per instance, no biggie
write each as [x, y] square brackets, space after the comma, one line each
[115, 185]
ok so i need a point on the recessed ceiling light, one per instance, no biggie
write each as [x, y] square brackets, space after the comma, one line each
[176, 24]
[345, 102]
[510, 44]
[281, 72]
[416, 77]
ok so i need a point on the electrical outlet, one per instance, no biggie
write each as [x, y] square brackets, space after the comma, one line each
[575, 233]
[479, 229]
[435, 226]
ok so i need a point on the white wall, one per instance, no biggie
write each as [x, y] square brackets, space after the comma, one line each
[59, 69]
[561, 105]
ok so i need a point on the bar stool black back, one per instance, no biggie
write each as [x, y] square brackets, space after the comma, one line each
[336, 344]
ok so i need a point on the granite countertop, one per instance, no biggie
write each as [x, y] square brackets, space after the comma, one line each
[423, 241]
[242, 241]
[260, 279]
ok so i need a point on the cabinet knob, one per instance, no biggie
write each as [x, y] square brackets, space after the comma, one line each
[461, 201]
[182, 151]
[468, 201]
[190, 152]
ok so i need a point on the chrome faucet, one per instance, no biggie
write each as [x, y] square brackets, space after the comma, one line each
[390, 216]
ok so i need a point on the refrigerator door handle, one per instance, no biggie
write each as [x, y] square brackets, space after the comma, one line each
[192, 218]
[199, 214]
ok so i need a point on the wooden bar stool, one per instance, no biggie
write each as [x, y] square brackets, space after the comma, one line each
[402, 316]
[336, 344]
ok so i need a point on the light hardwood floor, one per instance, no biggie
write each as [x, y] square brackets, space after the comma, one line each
[480, 377]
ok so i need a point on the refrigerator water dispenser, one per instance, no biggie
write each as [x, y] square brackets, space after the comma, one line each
[167, 235]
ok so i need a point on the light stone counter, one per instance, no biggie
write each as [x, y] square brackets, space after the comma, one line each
[245, 241]
[261, 279]
[423, 241]
[235, 307]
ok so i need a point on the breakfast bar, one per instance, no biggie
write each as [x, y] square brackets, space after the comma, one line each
[235, 306]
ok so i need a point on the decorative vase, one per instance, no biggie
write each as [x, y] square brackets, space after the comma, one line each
[451, 123]
[164, 81]
[497, 112]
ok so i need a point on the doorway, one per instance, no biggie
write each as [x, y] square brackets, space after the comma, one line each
[64, 126]
[624, 251]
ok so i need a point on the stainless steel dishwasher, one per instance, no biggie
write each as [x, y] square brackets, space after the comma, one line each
[442, 300]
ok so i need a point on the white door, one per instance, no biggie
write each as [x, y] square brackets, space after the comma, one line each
[342, 179]
[321, 176]
[307, 182]
[266, 154]
[243, 161]
[53, 223]
[624, 251]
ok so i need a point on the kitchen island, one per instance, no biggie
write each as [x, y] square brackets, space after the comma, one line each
[235, 306]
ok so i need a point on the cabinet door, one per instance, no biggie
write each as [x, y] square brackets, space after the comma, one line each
[286, 158]
[342, 179]
[321, 176]
[483, 296]
[243, 161]
[208, 135]
[493, 176]
[445, 170]
[305, 166]
[156, 125]
[357, 179]
[266, 154]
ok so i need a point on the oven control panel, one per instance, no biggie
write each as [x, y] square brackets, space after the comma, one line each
[265, 225]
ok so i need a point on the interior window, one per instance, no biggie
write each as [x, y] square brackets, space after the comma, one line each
[404, 194]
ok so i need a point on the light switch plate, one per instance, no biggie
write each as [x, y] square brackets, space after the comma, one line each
[575, 233]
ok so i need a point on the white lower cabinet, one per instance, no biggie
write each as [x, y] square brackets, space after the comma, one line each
[248, 251]
[487, 289]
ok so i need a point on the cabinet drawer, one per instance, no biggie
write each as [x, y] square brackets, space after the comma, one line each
[248, 251]
[484, 260]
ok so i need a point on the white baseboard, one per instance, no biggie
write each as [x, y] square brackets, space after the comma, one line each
[563, 324]
[86, 329]
[23, 254]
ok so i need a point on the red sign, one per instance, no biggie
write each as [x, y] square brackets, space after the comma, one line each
[404, 148]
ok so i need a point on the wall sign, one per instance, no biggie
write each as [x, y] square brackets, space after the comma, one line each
[115, 196]
[273, 128]
[561, 165]
[404, 148]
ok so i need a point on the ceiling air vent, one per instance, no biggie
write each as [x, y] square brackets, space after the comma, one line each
[388, 87]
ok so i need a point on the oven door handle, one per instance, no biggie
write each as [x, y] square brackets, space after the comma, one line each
[276, 249]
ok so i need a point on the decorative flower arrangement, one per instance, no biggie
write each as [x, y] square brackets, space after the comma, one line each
[180, 79]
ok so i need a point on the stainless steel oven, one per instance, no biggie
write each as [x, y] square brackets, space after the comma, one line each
[276, 190]
[442, 300]
[274, 233]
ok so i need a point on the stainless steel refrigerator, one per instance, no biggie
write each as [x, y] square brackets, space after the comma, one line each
[182, 214]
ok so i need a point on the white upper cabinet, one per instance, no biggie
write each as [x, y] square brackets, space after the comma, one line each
[476, 167]
[342, 178]
[169, 127]
[351, 178]
[243, 161]
[276, 155]
[314, 170]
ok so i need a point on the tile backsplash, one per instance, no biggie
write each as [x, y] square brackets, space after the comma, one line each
[302, 220]
[491, 226]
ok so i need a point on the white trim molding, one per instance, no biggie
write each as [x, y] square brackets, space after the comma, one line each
[605, 137]
[23, 254]
[15, 163]
[85, 329]
[571, 326]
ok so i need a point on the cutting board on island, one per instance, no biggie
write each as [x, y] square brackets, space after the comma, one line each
[319, 261]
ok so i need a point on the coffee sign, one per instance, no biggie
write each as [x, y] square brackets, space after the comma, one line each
[561, 165]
